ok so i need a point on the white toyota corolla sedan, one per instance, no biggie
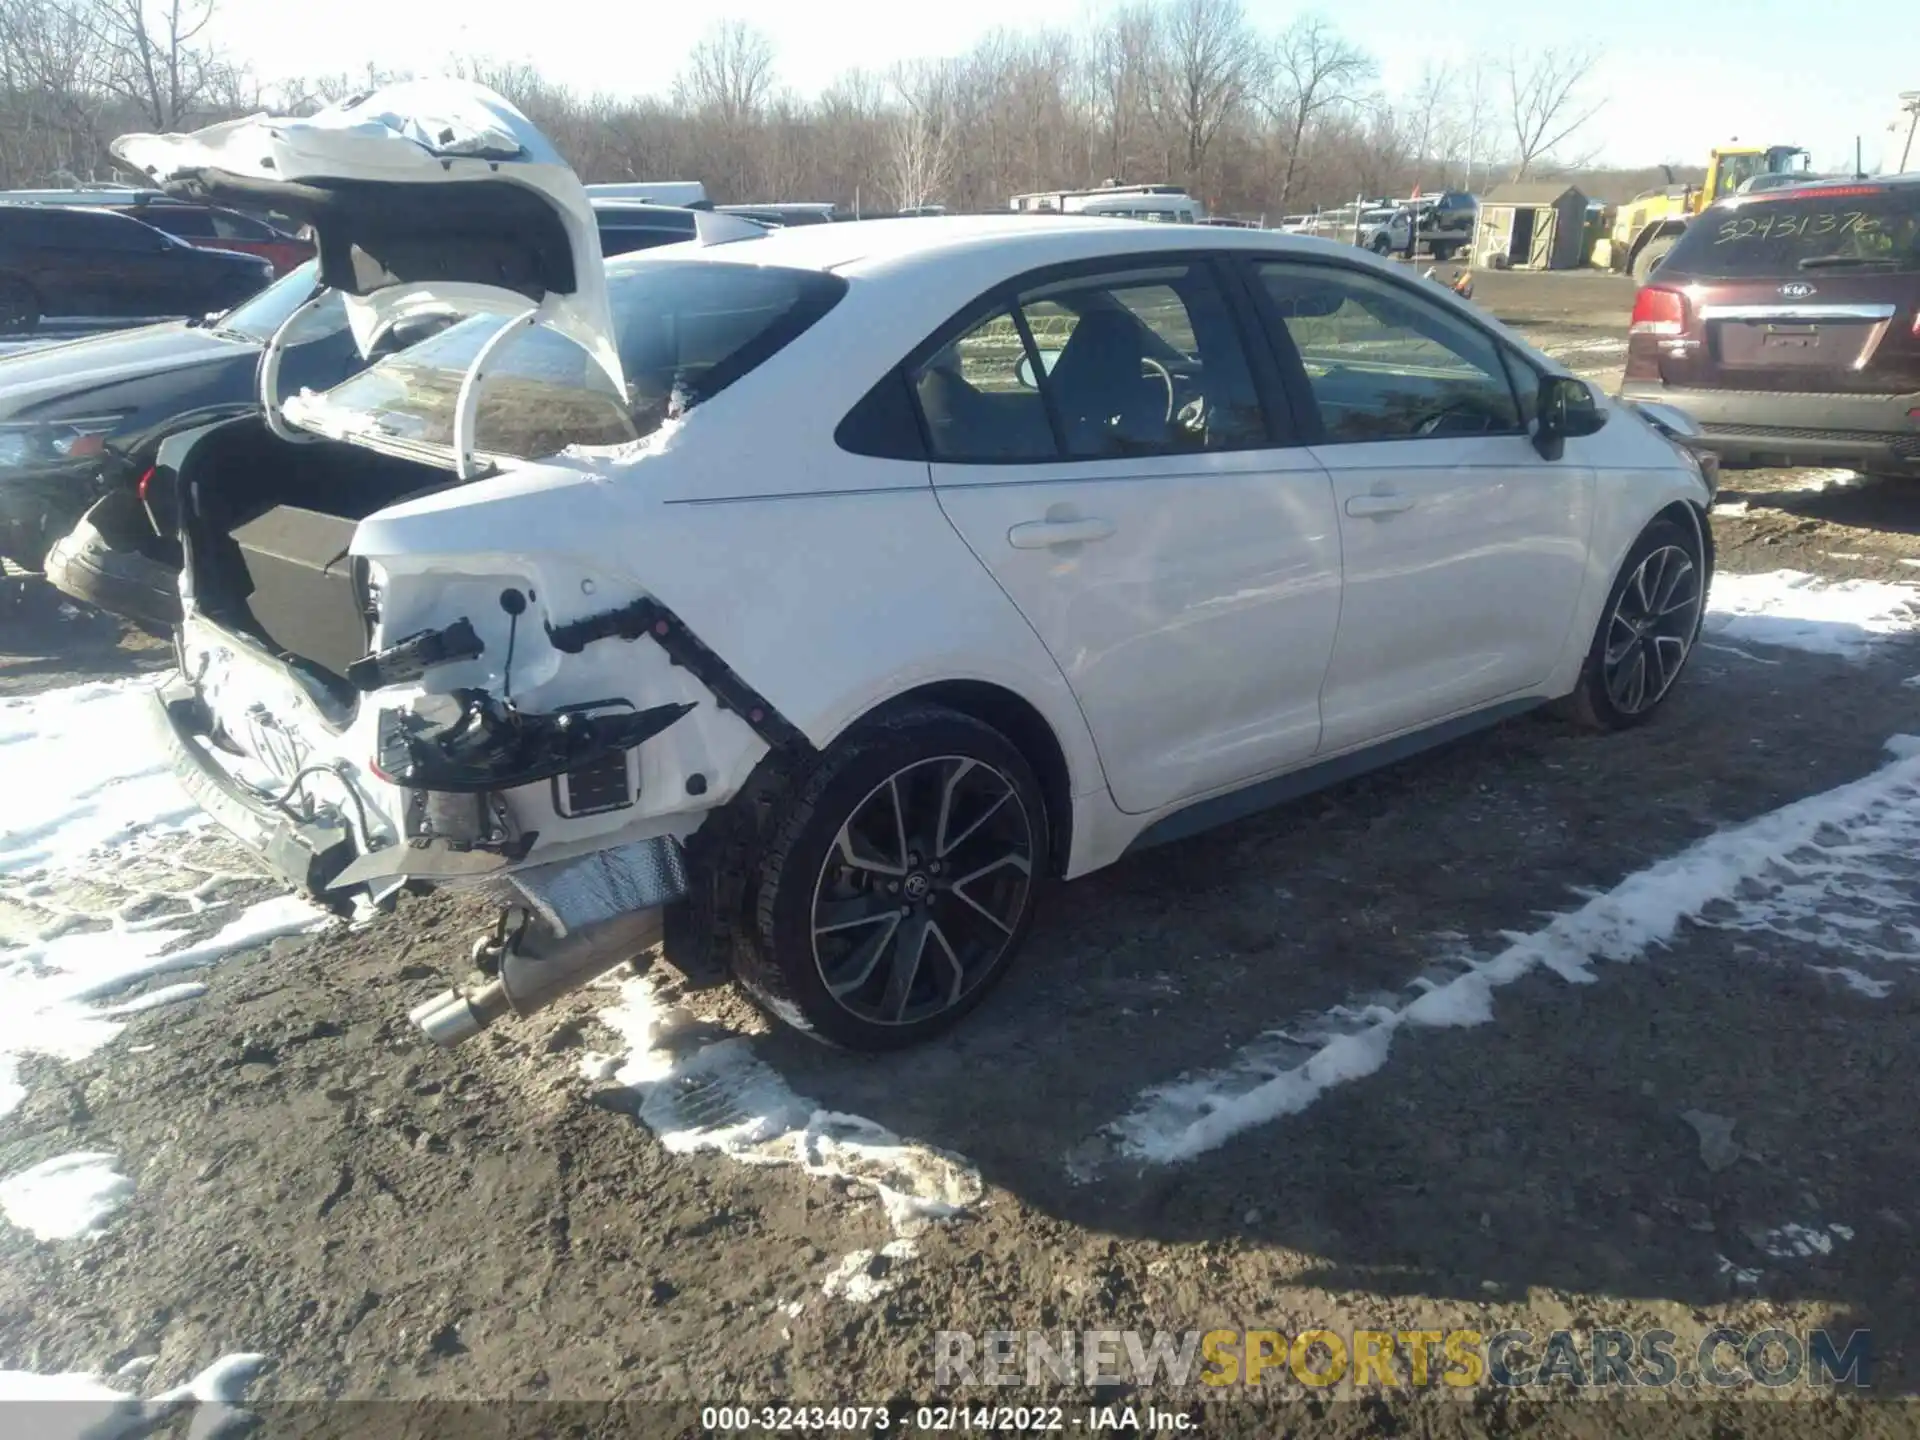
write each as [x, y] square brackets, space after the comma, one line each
[807, 599]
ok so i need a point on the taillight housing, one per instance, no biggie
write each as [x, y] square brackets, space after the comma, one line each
[1659, 310]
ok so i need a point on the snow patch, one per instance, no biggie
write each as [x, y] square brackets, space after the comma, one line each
[66, 1198]
[698, 1093]
[1839, 871]
[1736, 1273]
[81, 1405]
[92, 811]
[1800, 1242]
[1860, 984]
[1795, 610]
[156, 999]
[865, 1275]
[46, 988]
[77, 775]
[1828, 479]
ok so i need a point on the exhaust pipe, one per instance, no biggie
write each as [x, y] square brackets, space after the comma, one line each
[533, 975]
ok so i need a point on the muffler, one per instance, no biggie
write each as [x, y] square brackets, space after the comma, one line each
[535, 969]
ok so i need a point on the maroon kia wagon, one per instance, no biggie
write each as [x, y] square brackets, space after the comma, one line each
[1787, 323]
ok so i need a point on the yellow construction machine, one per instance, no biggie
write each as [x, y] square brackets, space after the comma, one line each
[1645, 228]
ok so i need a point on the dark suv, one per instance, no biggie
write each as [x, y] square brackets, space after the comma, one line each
[1787, 323]
[104, 265]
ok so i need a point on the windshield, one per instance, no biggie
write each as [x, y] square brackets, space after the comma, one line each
[1736, 170]
[266, 312]
[1845, 227]
[686, 329]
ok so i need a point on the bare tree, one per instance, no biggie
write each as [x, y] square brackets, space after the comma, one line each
[1544, 101]
[1208, 67]
[1120, 73]
[1426, 119]
[922, 139]
[1477, 119]
[53, 87]
[153, 55]
[1314, 70]
[729, 74]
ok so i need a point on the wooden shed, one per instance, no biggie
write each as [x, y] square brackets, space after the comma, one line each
[1531, 225]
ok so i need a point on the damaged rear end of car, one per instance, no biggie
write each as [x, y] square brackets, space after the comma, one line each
[404, 658]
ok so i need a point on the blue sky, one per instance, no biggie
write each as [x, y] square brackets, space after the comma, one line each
[1681, 74]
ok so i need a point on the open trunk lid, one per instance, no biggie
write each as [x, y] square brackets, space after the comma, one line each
[427, 196]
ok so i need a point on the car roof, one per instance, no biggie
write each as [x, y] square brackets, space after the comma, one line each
[1023, 241]
[41, 208]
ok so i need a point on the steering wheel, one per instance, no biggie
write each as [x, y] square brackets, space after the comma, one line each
[1165, 377]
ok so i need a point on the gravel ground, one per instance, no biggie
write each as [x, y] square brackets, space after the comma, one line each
[315, 1183]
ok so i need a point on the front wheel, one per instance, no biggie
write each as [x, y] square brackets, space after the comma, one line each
[899, 883]
[1646, 632]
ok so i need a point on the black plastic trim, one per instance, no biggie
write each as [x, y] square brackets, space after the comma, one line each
[492, 746]
[309, 855]
[648, 617]
[411, 657]
[1265, 794]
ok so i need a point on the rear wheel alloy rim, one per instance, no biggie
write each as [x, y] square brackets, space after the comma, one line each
[922, 890]
[1651, 630]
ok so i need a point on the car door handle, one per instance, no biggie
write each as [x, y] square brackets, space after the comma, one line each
[1044, 534]
[1374, 506]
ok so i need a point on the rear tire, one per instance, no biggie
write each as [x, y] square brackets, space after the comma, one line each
[1646, 632]
[19, 306]
[898, 882]
[1649, 258]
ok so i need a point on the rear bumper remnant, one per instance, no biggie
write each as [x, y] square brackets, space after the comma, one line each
[1763, 427]
[308, 854]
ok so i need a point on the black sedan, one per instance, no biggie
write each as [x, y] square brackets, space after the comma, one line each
[79, 422]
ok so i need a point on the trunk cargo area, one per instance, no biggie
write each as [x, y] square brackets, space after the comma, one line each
[268, 527]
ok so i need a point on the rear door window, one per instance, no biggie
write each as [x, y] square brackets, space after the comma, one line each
[99, 230]
[1145, 362]
[33, 228]
[1850, 227]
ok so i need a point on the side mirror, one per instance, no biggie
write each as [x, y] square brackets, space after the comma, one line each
[1567, 410]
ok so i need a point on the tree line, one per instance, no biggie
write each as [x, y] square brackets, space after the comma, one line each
[1187, 92]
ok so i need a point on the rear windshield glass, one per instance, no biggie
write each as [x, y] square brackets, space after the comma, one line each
[686, 330]
[1804, 234]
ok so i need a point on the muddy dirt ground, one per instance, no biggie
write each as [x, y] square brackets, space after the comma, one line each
[317, 1183]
